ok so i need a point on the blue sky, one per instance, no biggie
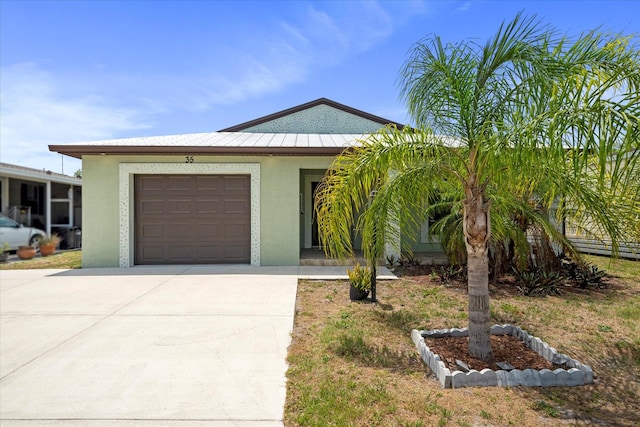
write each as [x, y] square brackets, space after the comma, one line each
[74, 71]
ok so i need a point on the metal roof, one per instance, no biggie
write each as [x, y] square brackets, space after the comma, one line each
[218, 143]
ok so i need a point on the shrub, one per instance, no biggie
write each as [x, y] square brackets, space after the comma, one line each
[54, 239]
[360, 277]
[538, 282]
[584, 275]
[451, 272]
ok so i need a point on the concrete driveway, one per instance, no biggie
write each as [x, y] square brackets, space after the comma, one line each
[145, 346]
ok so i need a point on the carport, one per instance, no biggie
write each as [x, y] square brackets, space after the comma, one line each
[43, 199]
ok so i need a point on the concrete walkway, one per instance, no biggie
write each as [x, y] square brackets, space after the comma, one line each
[160, 346]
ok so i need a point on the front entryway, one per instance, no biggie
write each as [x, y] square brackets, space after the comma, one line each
[315, 236]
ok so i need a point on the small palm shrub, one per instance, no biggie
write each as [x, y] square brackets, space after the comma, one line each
[360, 277]
[584, 275]
[452, 272]
[538, 282]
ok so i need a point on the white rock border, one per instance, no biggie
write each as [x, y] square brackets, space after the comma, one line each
[576, 374]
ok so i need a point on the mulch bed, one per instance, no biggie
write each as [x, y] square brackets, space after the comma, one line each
[506, 285]
[506, 348]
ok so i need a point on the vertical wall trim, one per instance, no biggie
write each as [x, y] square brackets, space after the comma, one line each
[70, 196]
[47, 207]
[5, 195]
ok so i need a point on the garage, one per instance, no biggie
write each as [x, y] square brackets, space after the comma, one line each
[192, 219]
[239, 195]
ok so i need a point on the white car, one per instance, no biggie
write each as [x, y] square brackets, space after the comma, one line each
[15, 234]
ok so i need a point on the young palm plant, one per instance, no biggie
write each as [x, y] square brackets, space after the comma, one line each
[527, 113]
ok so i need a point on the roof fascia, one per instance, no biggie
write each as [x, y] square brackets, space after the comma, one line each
[78, 151]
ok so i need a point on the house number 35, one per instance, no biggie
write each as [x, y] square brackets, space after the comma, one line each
[189, 159]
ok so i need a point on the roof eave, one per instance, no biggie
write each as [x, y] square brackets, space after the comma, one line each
[78, 151]
[30, 174]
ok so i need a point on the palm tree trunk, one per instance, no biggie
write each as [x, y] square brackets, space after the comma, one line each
[477, 231]
[374, 275]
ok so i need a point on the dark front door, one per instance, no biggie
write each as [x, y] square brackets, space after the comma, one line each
[315, 239]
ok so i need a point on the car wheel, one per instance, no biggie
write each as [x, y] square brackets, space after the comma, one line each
[35, 241]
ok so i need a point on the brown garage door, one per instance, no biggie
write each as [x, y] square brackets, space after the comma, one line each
[192, 219]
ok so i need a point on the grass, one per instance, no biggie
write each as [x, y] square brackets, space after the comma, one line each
[353, 364]
[621, 268]
[60, 260]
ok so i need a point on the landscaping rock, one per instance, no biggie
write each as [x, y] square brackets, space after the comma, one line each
[577, 374]
[463, 366]
[505, 366]
[559, 359]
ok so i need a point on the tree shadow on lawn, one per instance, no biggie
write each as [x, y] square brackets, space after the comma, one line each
[355, 348]
[613, 398]
[378, 352]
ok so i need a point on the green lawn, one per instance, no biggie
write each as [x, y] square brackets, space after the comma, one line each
[353, 364]
[60, 260]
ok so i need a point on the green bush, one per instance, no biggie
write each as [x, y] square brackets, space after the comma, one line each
[360, 277]
[538, 282]
[584, 275]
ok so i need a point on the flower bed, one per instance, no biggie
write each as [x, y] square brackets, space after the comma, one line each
[570, 372]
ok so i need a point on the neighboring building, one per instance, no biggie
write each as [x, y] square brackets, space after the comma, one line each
[588, 244]
[240, 195]
[589, 239]
[43, 199]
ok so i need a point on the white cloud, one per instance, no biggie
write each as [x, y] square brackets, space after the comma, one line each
[35, 113]
[465, 6]
[41, 108]
[283, 52]
[277, 54]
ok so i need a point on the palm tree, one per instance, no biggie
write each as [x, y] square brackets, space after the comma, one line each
[528, 114]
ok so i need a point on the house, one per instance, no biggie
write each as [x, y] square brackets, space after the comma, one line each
[49, 201]
[239, 195]
[587, 243]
